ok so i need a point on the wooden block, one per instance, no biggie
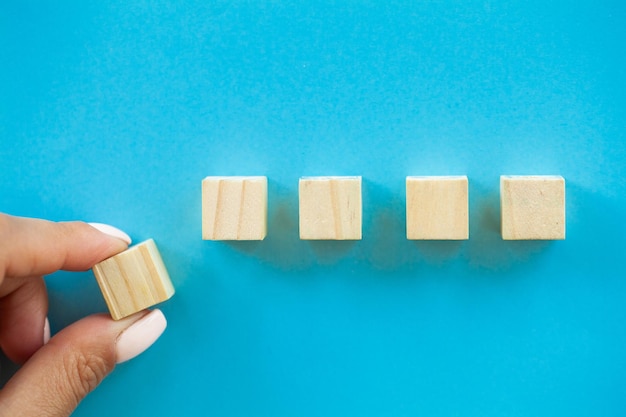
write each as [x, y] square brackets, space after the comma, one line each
[234, 208]
[533, 207]
[330, 208]
[133, 280]
[437, 208]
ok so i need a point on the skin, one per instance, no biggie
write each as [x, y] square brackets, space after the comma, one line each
[56, 376]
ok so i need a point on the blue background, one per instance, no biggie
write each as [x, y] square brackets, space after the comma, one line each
[115, 111]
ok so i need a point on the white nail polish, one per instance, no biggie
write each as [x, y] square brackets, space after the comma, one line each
[46, 331]
[111, 231]
[140, 335]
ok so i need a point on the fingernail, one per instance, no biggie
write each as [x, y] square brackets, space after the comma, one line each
[140, 335]
[111, 231]
[46, 331]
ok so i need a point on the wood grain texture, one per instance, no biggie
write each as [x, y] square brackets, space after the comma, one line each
[134, 280]
[532, 207]
[437, 208]
[234, 208]
[330, 208]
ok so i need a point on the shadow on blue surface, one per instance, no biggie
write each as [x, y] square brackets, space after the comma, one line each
[486, 249]
[282, 247]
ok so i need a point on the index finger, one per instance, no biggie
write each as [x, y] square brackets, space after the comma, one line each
[34, 247]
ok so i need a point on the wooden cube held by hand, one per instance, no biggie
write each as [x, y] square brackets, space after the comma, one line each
[133, 280]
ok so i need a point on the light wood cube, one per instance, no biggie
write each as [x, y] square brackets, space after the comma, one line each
[437, 208]
[234, 208]
[533, 207]
[133, 280]
[330, 208]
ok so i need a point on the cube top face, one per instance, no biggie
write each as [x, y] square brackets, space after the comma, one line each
[533, 207]
[133, 280]
[437, 208]
[330, 208]
[234, 208]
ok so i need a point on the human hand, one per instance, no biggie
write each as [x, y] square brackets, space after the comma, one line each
[58, 372]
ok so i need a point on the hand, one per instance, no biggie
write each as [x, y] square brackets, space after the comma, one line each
[58, 373]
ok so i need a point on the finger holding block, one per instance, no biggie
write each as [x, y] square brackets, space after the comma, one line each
[134, 280]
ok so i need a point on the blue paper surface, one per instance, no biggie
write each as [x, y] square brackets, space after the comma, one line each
[115, 111]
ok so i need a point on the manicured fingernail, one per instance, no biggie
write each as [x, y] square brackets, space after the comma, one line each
[111, 231]
[140, 335]
[46, 331]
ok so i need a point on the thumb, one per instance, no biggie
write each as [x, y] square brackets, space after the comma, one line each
[60, 374]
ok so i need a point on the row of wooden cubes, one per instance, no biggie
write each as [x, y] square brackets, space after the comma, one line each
[532, 208]
[235, 208]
